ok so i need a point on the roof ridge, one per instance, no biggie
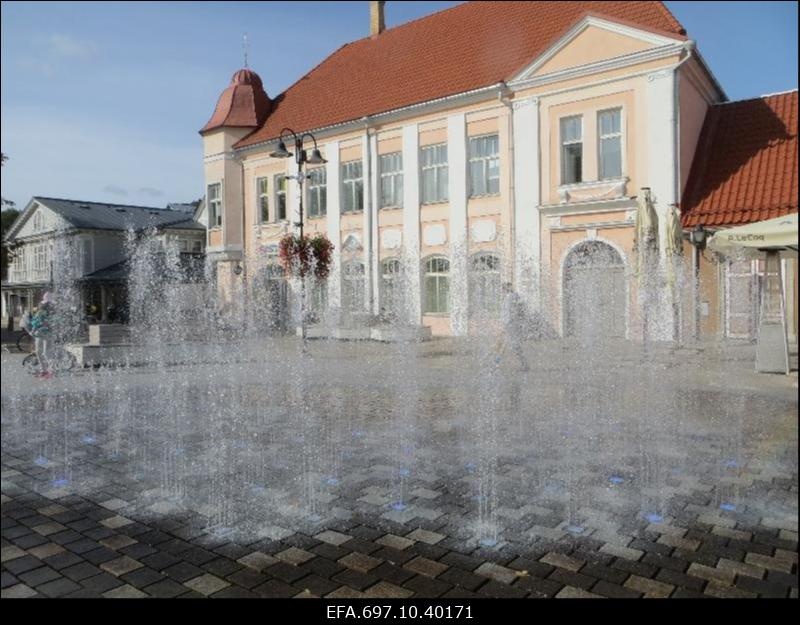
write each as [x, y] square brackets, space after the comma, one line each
[61, 199]
[296, 82]
[757, 97]
[415, 20]
[665, 9]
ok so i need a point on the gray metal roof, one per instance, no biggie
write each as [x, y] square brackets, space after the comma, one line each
[103, 216]
[189, 224]
[183, 208]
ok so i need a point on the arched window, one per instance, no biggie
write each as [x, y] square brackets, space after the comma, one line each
[436, 294]
[484, 285]
[391, 271]
[270, 295]
[353, 286]
[317, 298]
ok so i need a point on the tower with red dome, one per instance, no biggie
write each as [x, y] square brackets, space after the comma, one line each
[241, 108]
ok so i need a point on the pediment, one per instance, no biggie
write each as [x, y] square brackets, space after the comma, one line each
[591, 41]
[37, 220]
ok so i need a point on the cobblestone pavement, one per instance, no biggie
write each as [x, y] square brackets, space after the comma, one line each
[107, 539]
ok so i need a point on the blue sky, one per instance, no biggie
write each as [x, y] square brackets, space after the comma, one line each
[102, 100]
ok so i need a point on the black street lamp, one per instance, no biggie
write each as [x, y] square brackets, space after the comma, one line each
[698, 238]
[302, 158]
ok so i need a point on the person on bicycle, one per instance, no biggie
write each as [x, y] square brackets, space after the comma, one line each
[41, 330]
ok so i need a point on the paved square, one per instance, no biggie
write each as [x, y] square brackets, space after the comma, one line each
[363, 480]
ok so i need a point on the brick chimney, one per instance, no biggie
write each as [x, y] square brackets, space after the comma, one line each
[377, 23]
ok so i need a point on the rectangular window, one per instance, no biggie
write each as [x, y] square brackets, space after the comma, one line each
[391, 168]
[317, 192]
[433, 161]
[484, 166]
[571, 150]
[280, 197]
[215, 205]
[263, 200]
[352, 187]
[609, 129]
[197, 246]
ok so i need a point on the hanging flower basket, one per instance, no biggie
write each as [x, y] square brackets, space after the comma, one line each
[299, 256]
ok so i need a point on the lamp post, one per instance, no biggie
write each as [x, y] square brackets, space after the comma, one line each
[697, 238]
[302, 158]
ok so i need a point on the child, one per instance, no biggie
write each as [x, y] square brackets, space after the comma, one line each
[40, 329]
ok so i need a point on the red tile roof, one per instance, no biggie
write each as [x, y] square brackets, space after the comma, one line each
[473, 45]
[244, 104]
[745, 167]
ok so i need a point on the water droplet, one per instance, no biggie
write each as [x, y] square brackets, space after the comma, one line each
[488, 542]
[654, 517]
[575, 529]
[616, 479]
[727, 506]
[399, 505]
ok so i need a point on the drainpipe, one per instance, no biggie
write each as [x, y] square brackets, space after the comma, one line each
[676, 142]
[689, 48]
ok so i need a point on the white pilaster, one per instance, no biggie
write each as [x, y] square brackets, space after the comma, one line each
[662, 159]
[292, 197]
[366, 238]
[375, 246]
[411, 221]
[662, 176]
[334, 223]
[457, 162]
[527, 199]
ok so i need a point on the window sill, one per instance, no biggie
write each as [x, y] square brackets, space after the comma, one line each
[610, 188]
[391, 208]
[485, 196]
[437, 315]
[358, 212]
[435, 203]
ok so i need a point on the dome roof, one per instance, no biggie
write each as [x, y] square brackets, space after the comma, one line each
[246, 76]
[244, 104]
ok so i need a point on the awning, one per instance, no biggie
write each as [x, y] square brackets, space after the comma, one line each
[779, 234]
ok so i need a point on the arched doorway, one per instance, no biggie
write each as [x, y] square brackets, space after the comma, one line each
[271, 298]
[594, 292]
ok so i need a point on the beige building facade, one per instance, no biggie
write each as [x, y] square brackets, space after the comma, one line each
[527, 181]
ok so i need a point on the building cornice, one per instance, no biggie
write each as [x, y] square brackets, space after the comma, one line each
[525, 81]
[415, 110]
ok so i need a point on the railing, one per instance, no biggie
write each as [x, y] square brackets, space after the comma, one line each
[22, 276]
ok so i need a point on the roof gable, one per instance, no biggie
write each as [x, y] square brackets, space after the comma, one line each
[35, 219]
[471, 46]
[594, 39]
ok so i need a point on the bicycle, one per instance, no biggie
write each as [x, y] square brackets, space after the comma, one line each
[25, 342]
[59, 358]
